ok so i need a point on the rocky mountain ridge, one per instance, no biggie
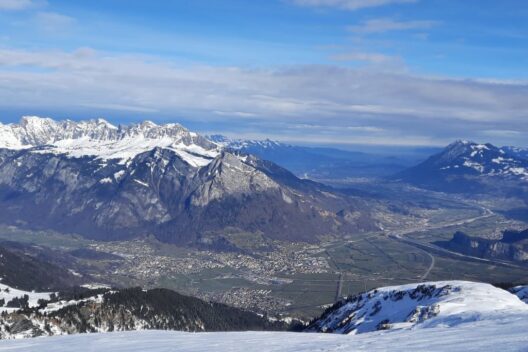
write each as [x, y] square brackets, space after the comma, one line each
[513, 246]
[469, 167]
[165, 181]
[101, 139]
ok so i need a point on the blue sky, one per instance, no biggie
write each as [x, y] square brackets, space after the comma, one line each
[405, 72]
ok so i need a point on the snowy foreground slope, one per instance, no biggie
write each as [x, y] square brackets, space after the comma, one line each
[461, 316]
[500, 334]
[426, 305]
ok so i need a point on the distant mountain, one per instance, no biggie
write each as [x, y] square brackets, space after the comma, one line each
[99, 138]
[468, 167]
[517, 152]
[31, 314]
[418, 306]
[331, 165]
[512, 246]
[107, 183]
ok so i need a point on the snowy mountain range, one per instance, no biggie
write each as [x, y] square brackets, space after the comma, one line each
[516, 151]
[101, 139]
[465, 166]
[107, 182]
[325, 164]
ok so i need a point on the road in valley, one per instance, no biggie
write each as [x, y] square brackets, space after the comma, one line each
[428, 248]
[426, 274]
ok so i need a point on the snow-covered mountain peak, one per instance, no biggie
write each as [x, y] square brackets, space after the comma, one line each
[481, 159]
[459, 142]
[239, 144]
[102, 139]
[430, 304]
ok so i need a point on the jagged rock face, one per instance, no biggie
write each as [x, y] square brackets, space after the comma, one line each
[107, 182]
[369, 311]
[34, 131]
[244, 192]
[512, 246]
[158, 192]
[464, 167]
[229, 174]
[100, 139]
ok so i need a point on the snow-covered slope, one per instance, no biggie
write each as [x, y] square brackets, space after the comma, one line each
[518, 152]
[504, 334]
[468, 167]
[101, 139]
[243, 144]
[7, 294]
[431, 304]
[34, 300]
[75, 311]
[433, 316]
[483, 159]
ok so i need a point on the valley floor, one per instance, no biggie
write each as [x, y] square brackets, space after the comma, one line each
[504, 333]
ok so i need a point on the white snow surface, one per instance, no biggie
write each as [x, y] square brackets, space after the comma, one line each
[239, 144]
[431, 304]
[7, 293]
[503, 334]
[472, 317]
[101, 139]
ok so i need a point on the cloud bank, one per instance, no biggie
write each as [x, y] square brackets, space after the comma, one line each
[382, 25]
[18, 5]
[394, 106]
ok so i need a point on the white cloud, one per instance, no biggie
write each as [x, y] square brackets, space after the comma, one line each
[372, 58]
[234, 113]
[368, 129]
[382, 25]
[16, 5]
[358, 101]
[53, 22]
[119, 107]
[501, 133]
[350, 4]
